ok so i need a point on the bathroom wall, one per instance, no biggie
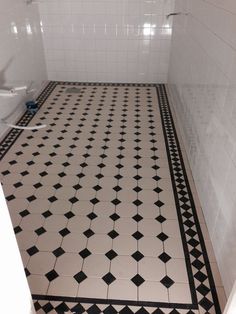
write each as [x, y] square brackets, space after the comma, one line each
[106, 40]
[202, 81]
[15, 292]
[21, 53]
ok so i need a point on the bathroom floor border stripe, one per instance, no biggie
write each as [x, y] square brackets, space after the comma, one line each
[179, 177]
[165, 111]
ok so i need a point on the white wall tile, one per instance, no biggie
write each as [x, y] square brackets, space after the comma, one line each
[120, 41]
[202, 80]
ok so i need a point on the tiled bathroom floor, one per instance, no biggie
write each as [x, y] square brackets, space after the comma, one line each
[102, 208]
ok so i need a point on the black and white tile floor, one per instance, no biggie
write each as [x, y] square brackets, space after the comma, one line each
[102, 208]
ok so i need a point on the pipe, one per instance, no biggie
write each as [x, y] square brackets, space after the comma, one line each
[7, 93]
[36, 127]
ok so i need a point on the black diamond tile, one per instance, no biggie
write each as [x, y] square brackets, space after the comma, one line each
[61, 174]
[137, 177]
[47, 214]
[94, 201]
[191, 232]
[88, 233]
[77, 187]
[158, 190]
[57, 186]
[69, 215]
[114, 217]
[94, 309]
[17, 229]
[118, 176]
[101, 165]
[99, 176]
[58, 252]
[126, 310]
[193, 242]
[167, 281]
[110, 310]
[159, 203]
[40, 231]
[137, 235]
[25, 173]
[80, 175]
[137, 280]
[62, 308]
[83, 165]
[17, 184]
[38, 185]
[206, 304]
[31, 198]
[137, 256]
[137, 202]
[162, 236]
[43, 174]
[10, 198]
[73, 200]
[52, 199]
[196, 253]
[137, 218]
[117, 188]
[116, 201]
[27, 273]
[111, 254]
[24, 213]
[197, 264]
[113, 234]
[32, 250]
[78, 308]
[156, 178]
[108, 278]
[51, 275]
[47, 307]
[164, 257]
[92, 216]
[161, 219]
[200, 276]
[137, 189]
[79, 277]
[84, 253]
[204, 290]
[97, 187]
[64, 232]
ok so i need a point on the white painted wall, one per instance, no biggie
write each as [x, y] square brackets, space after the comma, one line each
[202, 80]
[15, 293]
[21, 53]
[107, 40]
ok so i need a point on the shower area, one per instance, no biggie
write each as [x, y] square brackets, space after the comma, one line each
[118, 156]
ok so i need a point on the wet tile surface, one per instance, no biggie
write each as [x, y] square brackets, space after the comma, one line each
[101, 206]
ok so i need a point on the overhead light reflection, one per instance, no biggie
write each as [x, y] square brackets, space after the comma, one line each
[14, 29]
[149, 29]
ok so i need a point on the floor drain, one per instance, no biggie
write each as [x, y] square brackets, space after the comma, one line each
[71, 90]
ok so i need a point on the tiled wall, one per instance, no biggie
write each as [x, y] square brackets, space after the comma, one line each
[21, 52]
[107, 40]
[202, 80]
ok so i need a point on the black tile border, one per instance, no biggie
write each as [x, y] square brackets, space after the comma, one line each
[174, 154]
[184, 204]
